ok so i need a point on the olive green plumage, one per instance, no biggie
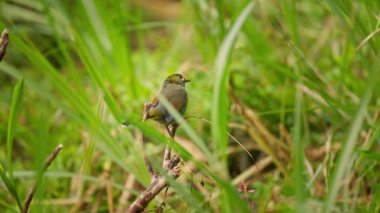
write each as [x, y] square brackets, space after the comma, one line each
[173, 89]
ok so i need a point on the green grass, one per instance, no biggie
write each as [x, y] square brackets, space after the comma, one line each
[219, 116]
[292, 80]
[7, 175]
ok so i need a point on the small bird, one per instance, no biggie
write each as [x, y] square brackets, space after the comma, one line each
[173, 89]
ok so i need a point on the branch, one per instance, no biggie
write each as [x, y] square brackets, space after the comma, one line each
[32, 190]
[158, 182]
[4, 39]
[171, 129]
[157, 185]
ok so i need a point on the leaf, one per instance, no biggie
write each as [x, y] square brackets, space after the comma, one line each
[13, 114]
[220, 102]
[347, 148]
[370, 154]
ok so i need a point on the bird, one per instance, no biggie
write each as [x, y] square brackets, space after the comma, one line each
[173, 89]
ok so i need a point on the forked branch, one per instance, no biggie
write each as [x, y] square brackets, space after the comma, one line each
[159, 182]
[157, 185]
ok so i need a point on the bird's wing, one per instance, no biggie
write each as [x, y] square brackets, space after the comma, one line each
[176, 95]
[154, 101]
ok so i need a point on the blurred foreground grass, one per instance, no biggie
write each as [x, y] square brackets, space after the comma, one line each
[296, 82]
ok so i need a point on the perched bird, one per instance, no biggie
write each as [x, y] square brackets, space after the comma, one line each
[173, 89]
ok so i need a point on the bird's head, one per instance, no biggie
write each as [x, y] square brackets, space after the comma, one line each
[176, 79]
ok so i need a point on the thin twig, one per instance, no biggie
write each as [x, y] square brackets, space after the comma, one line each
[4, 39]
[142, 139]
[228, 134]
[167, 153]
[159, 182]
[163, 204]
[32, 190]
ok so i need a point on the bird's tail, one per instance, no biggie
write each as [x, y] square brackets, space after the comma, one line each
[145, 116]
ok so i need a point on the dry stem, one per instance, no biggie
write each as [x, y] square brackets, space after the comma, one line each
[32, 190]
[4, 39]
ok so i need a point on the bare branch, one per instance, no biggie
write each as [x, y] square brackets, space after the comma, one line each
[171, 129]
[157, 185]
[158, 182]
[32, 190]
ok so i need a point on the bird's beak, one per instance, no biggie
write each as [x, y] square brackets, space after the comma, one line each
[186, 80]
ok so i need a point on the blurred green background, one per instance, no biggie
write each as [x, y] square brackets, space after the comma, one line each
[295, 82]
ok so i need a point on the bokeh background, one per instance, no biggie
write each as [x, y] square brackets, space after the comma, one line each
[293, 82]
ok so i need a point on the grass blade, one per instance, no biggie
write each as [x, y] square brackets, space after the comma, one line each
[220, 102]
[193, 136]
[348, 148]
[298, 154]
[13, 114]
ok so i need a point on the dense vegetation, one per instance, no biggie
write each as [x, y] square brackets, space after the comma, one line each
[294, 82]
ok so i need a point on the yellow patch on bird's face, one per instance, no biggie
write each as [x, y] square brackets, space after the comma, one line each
[177, 79]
